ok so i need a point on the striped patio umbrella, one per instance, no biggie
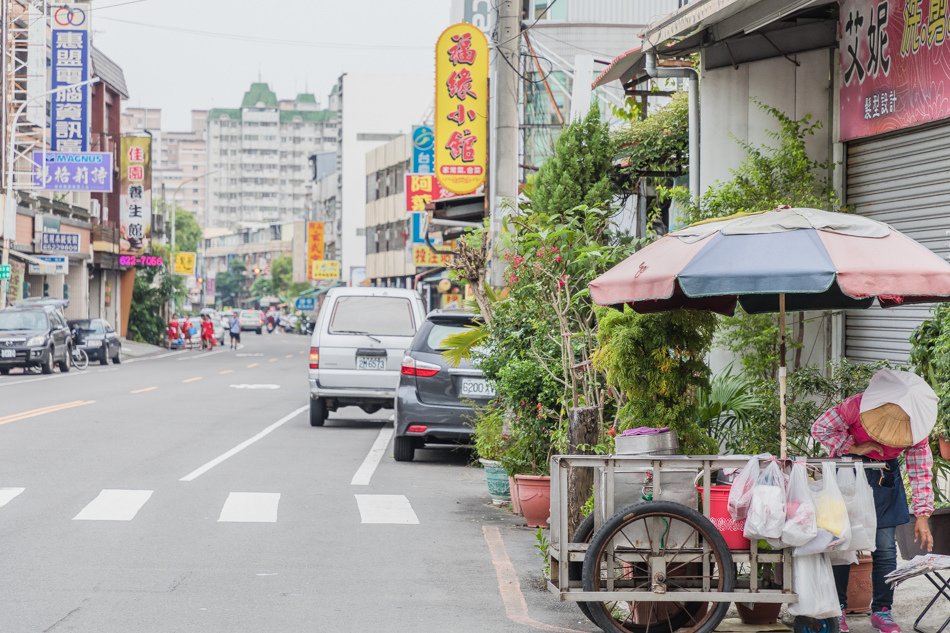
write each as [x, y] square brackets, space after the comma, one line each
[785, 259]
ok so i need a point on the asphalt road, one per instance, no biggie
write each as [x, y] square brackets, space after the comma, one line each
[186, 492]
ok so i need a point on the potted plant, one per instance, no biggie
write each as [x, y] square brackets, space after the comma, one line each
[489, 446]
[526, 458]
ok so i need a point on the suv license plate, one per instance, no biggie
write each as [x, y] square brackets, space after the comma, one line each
[371, 362]
[7, 353]
[477, 388]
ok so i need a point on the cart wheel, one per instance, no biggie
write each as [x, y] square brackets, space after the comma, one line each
[624, 552]
[803, 624]
[575, 570]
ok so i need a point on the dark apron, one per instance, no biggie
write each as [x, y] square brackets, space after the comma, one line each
[890, 500]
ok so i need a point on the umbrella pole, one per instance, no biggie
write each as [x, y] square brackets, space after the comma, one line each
[783, 420]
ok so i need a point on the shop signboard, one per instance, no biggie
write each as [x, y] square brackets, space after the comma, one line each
[82, 171]
[425, 257]
[135, 189]
[185, 263]
[421, 189]
[69, 65]
[304, 303]
[52, 265]
[423, 149]
[894, 65]
[418, 228]
[316, 232]
[325, 269]
[461, 108]
[59, 242]
[6, 271]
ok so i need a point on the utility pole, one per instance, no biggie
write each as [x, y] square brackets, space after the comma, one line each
[505, 93]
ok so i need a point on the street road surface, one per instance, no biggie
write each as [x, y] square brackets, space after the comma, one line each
[186, 492]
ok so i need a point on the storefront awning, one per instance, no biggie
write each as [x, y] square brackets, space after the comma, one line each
[621, 66]
[46, 268]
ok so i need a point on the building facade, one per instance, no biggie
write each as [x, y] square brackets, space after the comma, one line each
[388, 231]
[258, 157]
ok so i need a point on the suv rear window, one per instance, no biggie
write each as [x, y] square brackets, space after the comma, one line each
[441, 331]
[382, 316]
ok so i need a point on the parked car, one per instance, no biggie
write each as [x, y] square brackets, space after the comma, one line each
[436, 400]
[98, 339]
[359, 340]
[34, 336]
[251, 320]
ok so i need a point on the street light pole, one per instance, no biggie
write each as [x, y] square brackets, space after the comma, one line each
[9, 207]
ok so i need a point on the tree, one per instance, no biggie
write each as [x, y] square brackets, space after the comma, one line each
[282, 274]
[188, 233]
[154, 288]
[231, 285]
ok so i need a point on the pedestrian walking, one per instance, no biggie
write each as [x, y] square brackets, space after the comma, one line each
[207, 332]
[891, 418]
[235, 331]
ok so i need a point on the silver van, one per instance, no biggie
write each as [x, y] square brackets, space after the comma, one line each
[357, 347]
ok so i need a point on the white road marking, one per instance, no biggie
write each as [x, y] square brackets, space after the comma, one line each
[253, 365]
[240, 447]
[249, 355]
[250, 507]
[368, 467]
[200, 354]
[9, 494]
[114, 505]
[195, 379]
[391, 509]
[144, 390]
[226, 371]
[261, 386]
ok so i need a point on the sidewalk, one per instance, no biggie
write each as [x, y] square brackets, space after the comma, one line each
[134, 349]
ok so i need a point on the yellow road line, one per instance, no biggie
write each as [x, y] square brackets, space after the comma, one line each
[226, 371]
[195, 379]
[271, 360]
[144, 390]
[252, 365]
[32, 413]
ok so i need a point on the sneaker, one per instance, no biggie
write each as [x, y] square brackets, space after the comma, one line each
[843, 623]
[883, 622]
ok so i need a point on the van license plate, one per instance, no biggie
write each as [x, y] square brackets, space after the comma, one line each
[477, 388]
[7, 353]
[371, 362]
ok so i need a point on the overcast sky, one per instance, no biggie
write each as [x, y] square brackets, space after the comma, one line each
[181, 55]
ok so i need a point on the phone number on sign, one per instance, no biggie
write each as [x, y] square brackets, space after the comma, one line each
[144, 260]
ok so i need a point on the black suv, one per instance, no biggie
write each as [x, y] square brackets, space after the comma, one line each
[34, 336]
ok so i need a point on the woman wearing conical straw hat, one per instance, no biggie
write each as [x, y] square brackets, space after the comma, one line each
[893, 416]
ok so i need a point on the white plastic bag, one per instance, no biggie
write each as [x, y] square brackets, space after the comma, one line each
[859, 498]
[831, 512]
[814, 582]
[766, 515]
[740, 495]
[800, 526]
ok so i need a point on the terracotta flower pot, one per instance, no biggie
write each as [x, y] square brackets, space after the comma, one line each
[534, 496]
[860, 589]
[515, 502]
[944, 447]
[759, 612]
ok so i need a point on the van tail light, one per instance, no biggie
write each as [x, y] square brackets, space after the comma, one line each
[417, 428]
[412, 367]
[314, 358]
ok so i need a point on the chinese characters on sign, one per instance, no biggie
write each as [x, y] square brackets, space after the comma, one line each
[423, 149]
[421, 189]
[315, 246]
[325, 269]
[59, 243]
[424, 257]
[135, 187]
[461, 108]
[894, 58]
[185, 263]
[69, 64]
[88, 171]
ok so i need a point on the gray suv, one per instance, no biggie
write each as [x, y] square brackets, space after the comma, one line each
[435, 400]
[34, 336]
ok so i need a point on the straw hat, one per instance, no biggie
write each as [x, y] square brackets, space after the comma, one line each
[898, 409]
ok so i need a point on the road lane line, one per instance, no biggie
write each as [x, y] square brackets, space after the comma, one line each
[389, 509]
[32, 413]
[240, 447]
[289, 356]
[271, 360]
[253, 365]
[200, 354]
[365, 473]
[195, 379]
[224, 372]
[9, 494]
[250, 507]
[516, 607]
[144, 390]
[114, 505]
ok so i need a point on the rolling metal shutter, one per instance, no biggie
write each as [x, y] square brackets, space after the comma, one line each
[903, 180]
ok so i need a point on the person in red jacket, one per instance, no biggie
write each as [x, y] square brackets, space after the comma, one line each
[174, 332]
[207, 332]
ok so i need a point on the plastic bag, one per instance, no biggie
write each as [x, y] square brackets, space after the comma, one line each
[814, 582]
[831, 512]
[859, 498]
[766, 515]
[800, 523]
[740, 495]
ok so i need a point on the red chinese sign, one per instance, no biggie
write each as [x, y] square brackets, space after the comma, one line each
[421, 189]
[894, 58]
[461, 108]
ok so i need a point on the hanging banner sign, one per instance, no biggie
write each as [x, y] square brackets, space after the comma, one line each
[894, 59]
[326, 269]
[135, 188]
[461, 108]
[315, 245]
[69, 65]
[61, 171]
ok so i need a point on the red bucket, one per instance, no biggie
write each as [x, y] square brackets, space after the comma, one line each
[730, 528]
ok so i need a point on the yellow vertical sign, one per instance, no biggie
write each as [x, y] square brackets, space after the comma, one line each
[315, 245]
[461, 108]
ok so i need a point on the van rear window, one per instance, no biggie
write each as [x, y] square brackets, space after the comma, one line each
[381, 316]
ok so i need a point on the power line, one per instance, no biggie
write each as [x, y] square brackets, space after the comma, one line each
[264, 40]
[529, 27]
[119, 4]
